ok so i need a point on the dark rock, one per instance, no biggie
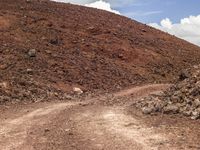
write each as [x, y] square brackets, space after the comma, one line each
[46, 130]
[183, 75]
[170, 109]
[54, 41]
[143, 30]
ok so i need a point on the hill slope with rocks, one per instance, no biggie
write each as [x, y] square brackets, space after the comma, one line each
[48, 48]
[182, 97]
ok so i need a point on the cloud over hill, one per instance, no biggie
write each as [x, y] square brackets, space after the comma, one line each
[187, 28]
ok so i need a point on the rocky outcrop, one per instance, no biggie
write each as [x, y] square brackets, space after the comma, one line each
[182, 97]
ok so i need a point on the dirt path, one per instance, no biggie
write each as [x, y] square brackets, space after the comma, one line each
[88, 125]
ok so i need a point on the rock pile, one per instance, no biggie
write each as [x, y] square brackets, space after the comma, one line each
[183, 97]
[29, 90]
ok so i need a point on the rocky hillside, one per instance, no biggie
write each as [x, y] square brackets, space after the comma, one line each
[182, 97]
[48, 48]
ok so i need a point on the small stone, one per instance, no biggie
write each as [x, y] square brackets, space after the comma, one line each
[147, 110]
[159, 106]
[29, 71]
[28, 1]
[4, 85]
[143, 30]
[77, 91]
[170, 109]
[195, 92]
[68, 97]
[32, 53]
[175, 98]
[197, 102]
[3, 66]
[48, 52]
[120, 56]
[195, 115]
[56, 94]
[183, 75]
[67, 130]
[91, 28]
[46, 130]
[54, 41]
[83, 104]
[187, 113]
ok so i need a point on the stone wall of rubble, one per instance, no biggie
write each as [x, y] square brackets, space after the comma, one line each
[183, 97]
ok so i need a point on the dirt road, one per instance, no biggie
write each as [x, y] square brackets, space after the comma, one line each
[108, 122]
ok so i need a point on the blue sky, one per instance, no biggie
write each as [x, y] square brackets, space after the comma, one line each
[148, 11]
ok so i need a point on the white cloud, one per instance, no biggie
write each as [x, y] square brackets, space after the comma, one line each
[121, 3]
[102, 5]
[114, 3]
[187, 28]
[166, 23]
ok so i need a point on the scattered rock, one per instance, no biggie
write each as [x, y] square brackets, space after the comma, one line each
[83, 104]
[4, 85]
[28, 1]
[48, 52]
[197, 102]
[183, 97]
[32, 53]
[70, 133]
[143, 30]
[77, 90]
[195, 115]
[187, 113]
[56, 94]
[148, 110]
[67, 130]
[183, 75]
[46, 130]
[29, 71]
[3, 66]
[68, 97]
[171, 109]
[54, 41]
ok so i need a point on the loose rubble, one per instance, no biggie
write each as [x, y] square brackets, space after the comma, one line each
[182, 97]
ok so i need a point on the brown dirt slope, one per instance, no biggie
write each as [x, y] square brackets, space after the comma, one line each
[84, 47]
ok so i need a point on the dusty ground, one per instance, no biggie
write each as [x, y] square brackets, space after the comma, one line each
[75, 49]
[93, 124]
